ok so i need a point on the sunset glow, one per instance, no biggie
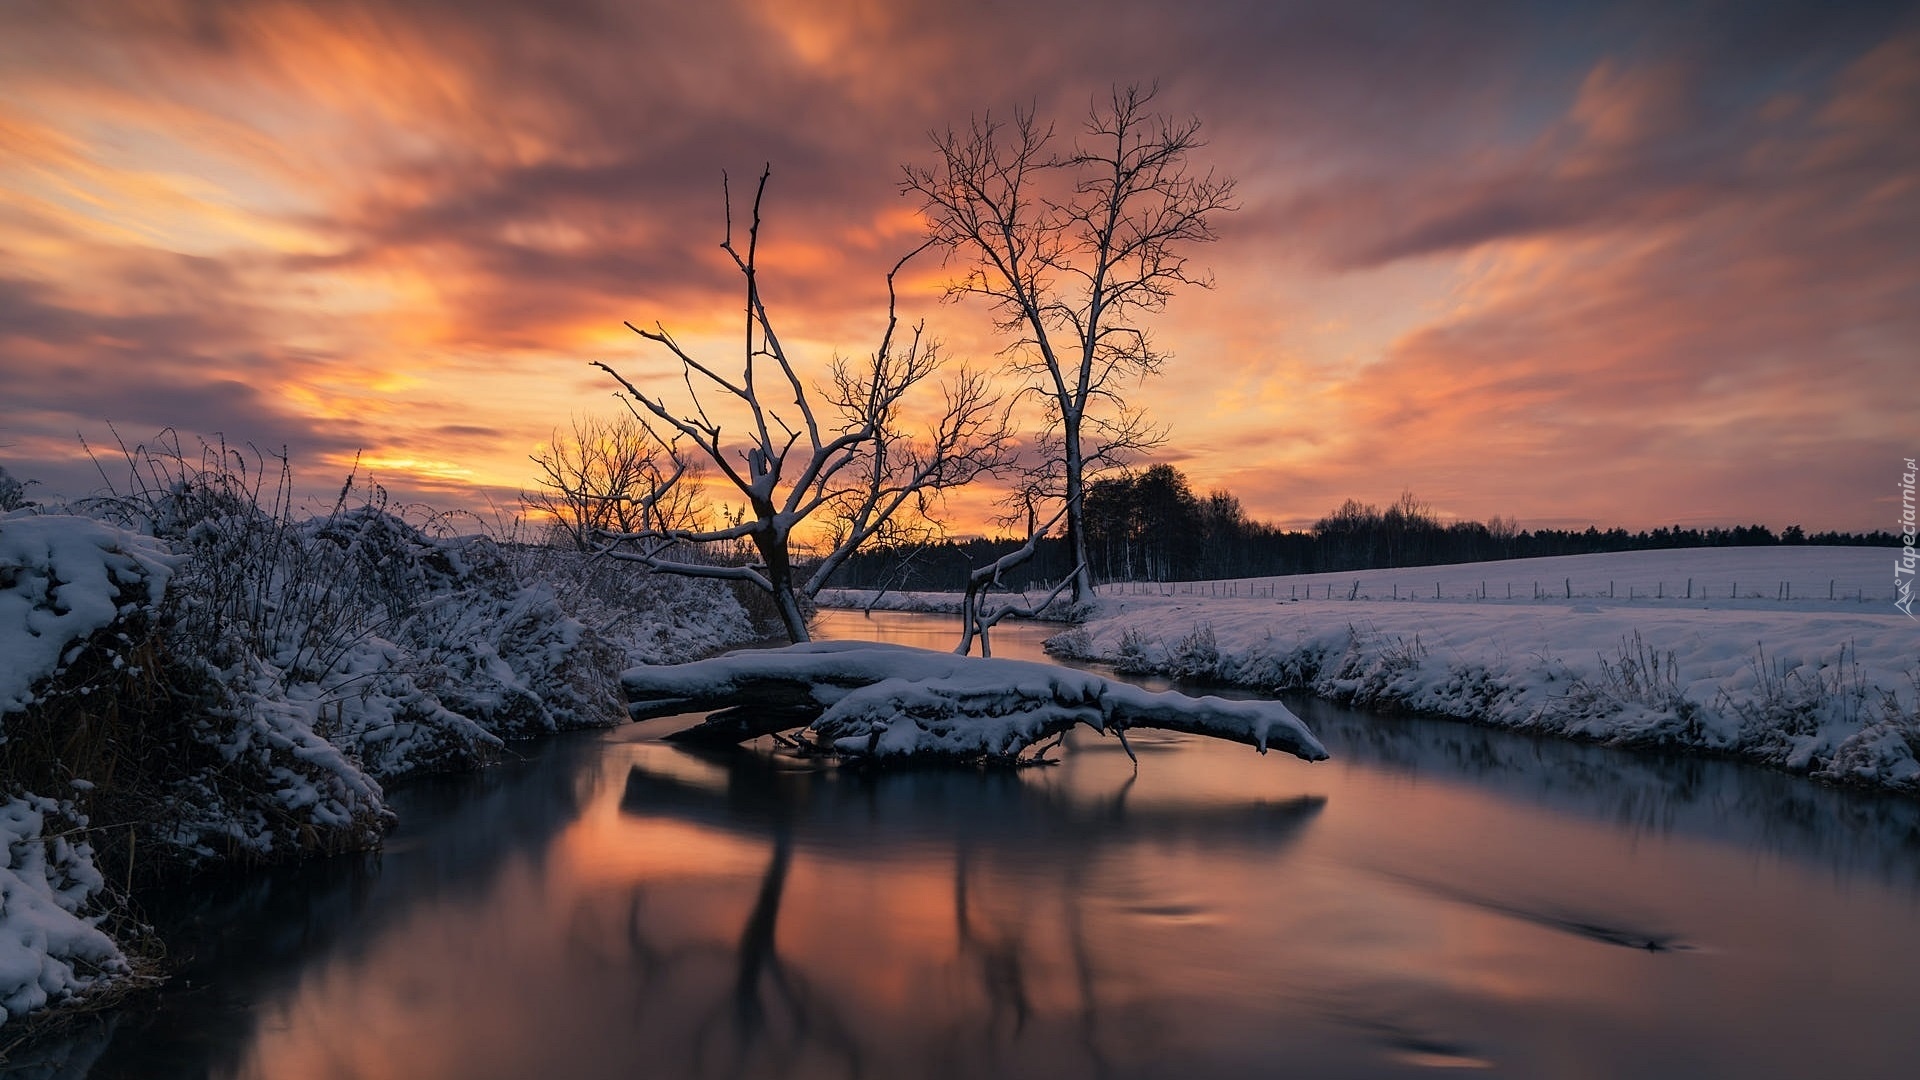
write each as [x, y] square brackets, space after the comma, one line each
[1623, 264]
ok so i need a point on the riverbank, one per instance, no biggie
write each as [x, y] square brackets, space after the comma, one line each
[207, 682]
[611, 906]
[1657, 650]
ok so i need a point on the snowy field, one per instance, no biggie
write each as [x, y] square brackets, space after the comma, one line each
[1846, 577]
[1825, 687]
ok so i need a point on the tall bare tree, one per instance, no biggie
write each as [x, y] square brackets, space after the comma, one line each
[1071, 252]
[852, 459]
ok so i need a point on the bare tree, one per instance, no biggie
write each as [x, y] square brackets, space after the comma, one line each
[977, 616]
[1071, 252]
[610, 476]
[859, 467]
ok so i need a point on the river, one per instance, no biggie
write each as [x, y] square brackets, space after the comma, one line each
[1436, 897]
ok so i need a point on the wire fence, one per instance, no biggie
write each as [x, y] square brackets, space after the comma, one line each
[1830, 590]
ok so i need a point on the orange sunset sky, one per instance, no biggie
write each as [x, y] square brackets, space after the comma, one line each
[1632, 264]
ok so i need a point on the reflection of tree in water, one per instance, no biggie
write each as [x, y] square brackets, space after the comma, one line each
[796, 1014]
[776, 1008]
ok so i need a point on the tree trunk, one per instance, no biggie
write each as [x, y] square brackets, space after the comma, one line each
[1076, 511]
[773, 552]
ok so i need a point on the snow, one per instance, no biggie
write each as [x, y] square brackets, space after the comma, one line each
[1821, 687]
[49, 950]
[1853, 575]
[291, 669]
[894, 702]
[62, 580]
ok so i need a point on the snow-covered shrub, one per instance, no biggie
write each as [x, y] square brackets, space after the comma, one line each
[62, 581]
[1134, 657]
[50, 946]
[653, 618]
[13, 492]
[1195, 656]
[291, 663]
[1073, 644]
[1886, 749]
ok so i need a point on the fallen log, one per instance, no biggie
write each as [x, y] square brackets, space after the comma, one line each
[887, 703]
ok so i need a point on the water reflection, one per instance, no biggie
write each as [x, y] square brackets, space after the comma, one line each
[1436, 896]
[1846, 832]
[1023, 858]
[240, 938]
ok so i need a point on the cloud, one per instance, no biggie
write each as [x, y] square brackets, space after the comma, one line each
[1631, 261]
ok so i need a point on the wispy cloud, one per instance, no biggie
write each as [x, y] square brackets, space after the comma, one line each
[1581, 264]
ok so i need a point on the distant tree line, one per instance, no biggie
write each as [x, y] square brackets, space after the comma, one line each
[1150, 526]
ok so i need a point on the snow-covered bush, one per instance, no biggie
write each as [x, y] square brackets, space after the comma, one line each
[76, 599]
[1196, 655]
[653, 618]
[13, 492]
[50, 946]
[236, 679]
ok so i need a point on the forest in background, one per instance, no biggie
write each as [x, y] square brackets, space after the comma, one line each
[1151, 526]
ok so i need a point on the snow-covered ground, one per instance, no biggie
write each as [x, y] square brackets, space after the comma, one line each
[1847, 578]
[1815, 685]
[1841, 578]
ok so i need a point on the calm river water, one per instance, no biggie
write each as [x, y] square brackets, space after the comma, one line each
[1436, 897]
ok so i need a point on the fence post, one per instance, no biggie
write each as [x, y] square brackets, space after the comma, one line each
[1569, 588]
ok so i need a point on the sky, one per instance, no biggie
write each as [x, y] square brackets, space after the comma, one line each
[1614, 264]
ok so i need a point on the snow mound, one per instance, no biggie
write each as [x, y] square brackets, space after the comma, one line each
[49, 950]
[62, 580]
[894, 702]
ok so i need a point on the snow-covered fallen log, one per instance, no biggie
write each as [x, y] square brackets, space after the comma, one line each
[893, 703]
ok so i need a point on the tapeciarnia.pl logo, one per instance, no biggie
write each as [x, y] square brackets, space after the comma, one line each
[1903, 567]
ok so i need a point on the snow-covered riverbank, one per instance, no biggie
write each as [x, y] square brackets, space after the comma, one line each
[240, 687]
[1825, 687]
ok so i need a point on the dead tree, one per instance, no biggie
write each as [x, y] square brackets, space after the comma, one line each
[1070, 253]
[609, 476]
[977, 619]
[844, 458]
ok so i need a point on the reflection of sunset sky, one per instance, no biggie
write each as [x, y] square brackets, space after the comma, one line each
[1090, 928]
[1630, 264]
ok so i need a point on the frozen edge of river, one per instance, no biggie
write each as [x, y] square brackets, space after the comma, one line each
[1832, 695]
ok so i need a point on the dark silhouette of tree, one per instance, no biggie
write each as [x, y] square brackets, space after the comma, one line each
[842, 457]
[1071, 252]
[609, 476]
